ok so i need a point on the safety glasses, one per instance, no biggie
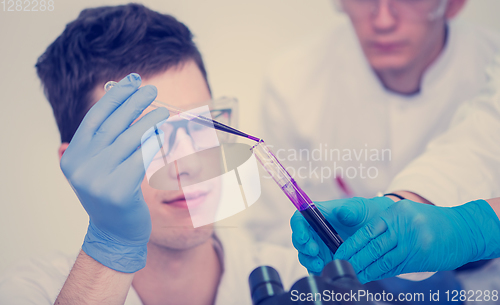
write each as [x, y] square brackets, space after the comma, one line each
[411, 10]
[223, 110]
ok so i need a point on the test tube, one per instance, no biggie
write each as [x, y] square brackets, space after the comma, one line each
[298, 197]
[301, 201]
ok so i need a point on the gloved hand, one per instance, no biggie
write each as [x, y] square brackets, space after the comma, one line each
[105, 168]
[415, 237]
[345, 215]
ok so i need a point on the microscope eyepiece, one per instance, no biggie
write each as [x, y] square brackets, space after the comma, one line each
[265, 282]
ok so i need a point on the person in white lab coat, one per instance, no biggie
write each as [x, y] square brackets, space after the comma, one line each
[347, 110]
[457, 167]
[464, 163]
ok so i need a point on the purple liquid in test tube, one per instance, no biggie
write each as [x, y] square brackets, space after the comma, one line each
[301, 201]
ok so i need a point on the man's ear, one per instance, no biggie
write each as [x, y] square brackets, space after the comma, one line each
[62, 149]
[454, 7]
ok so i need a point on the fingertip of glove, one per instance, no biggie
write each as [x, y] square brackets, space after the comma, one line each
[318, 265]
[165, 113]
[160, 123]
[303, 236]
[298, 238]
[132, 79]
[313, 248]
[150, 90]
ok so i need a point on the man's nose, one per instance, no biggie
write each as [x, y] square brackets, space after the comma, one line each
[183, 147]
[384, 19]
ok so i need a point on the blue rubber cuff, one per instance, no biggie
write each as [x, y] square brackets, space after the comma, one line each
[113, 254]
[485, 228]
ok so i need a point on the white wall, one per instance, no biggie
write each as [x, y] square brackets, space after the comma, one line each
[39, 212]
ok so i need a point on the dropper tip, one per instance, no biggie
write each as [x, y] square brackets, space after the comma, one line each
[254, 138]
[258, 142]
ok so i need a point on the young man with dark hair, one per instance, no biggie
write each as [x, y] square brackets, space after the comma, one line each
[140, 247]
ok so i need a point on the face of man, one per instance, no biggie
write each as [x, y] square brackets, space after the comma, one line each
[184, 87]
[397, 34]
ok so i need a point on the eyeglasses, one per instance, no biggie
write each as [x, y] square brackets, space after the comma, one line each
[202, 137]
[413, 10]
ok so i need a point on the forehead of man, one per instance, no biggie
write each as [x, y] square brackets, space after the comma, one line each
[182, 86]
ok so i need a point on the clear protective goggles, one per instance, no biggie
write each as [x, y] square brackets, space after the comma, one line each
[223, 110]
[411, 10]
[188, 142]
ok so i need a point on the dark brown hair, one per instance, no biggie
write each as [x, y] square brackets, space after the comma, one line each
[107, 43]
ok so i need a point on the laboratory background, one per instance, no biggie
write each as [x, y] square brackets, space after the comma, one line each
[238, 39]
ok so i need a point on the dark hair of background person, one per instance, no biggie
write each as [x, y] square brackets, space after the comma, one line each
[108, 43]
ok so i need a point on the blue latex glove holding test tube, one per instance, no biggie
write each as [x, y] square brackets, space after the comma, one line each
[105, 168]
[388, 239]
[345, 215]
[415, 237]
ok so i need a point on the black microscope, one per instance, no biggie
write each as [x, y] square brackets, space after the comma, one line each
[337, 285]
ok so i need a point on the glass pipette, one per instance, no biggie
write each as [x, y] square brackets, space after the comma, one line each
[193, 117]
[301, 201]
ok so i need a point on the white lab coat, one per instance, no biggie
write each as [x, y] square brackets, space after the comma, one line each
[39, 280]
[323, 94]
[463, 164]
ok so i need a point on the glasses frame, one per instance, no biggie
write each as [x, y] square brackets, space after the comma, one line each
[433, 15]
[224, 105]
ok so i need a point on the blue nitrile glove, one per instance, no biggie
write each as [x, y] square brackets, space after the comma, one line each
[416, 237]
[105, 168]
[345, 215]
